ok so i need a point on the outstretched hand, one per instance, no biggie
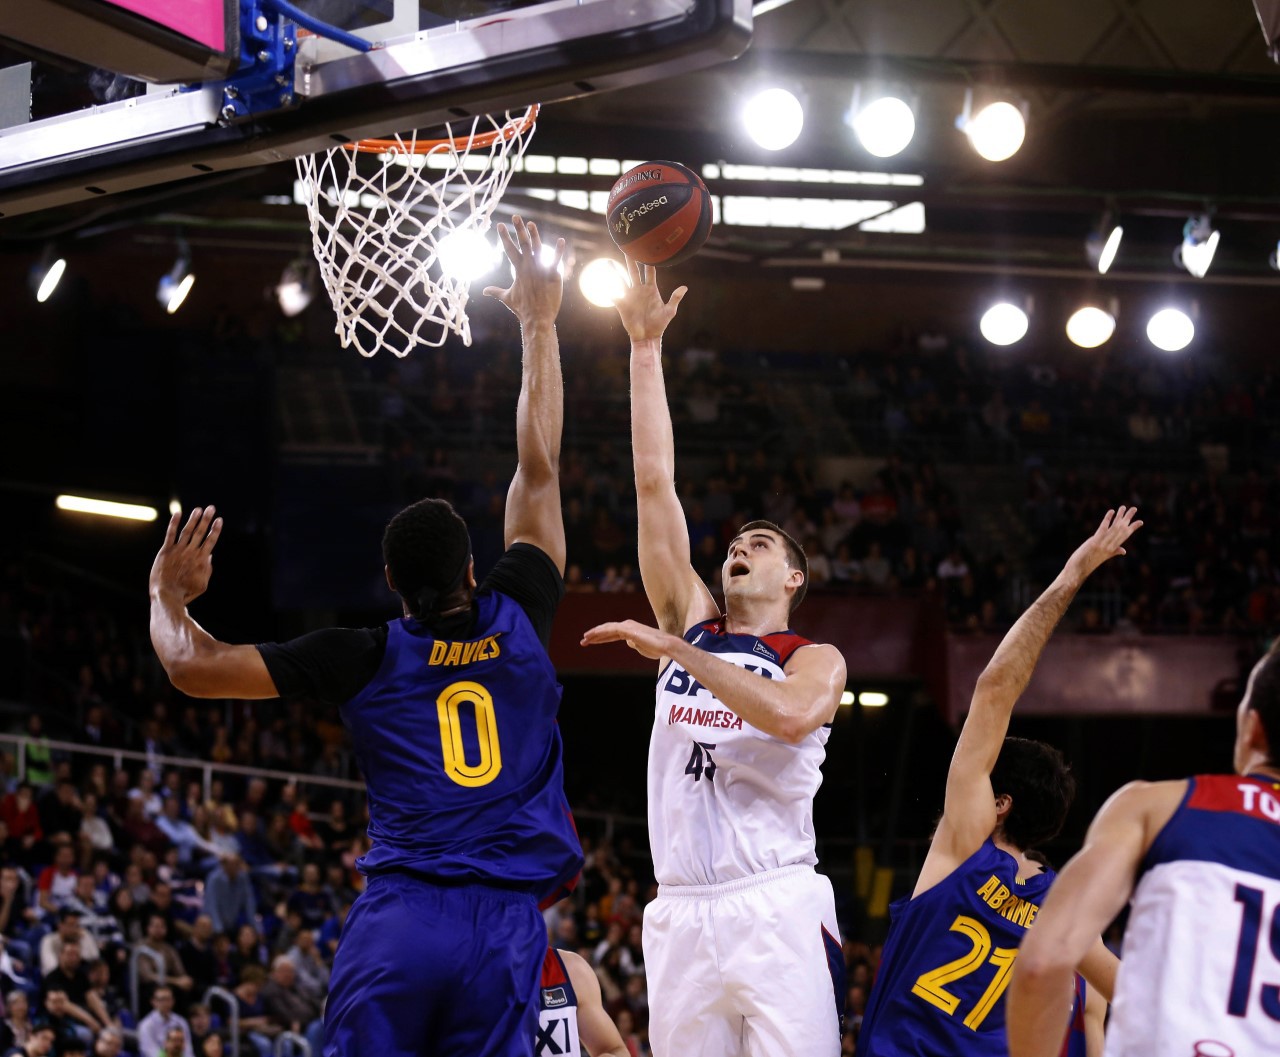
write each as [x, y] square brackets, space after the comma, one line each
[535, 293]
[646, 641]
[1106, 543]
[644, 314]
[185, 561]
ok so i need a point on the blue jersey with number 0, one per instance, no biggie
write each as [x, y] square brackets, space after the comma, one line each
[459, 747]
[947, 961]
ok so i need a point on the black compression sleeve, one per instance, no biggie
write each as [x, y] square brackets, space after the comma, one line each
[529, 577]
[329, 666]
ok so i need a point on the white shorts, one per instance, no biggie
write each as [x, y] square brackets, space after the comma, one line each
[748, 968]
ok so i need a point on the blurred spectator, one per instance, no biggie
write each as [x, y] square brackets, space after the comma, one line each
[228, 895]
[154, 1028]
[69, 931]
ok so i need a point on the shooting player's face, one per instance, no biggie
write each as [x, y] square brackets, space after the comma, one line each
[756, 567]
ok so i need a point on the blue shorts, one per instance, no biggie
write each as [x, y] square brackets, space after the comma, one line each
[424, 970]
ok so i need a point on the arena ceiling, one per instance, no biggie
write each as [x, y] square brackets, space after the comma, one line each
[1153, 109]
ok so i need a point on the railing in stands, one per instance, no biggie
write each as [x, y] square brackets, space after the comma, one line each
[207, 768]
[156, 959]
[233, 1013]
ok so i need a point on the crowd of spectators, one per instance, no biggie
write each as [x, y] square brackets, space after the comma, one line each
[126, 895]
[1191, 442]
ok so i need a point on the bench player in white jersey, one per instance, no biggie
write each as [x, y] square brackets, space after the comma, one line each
[1201, 858]
[572, 1021]
[741, 946]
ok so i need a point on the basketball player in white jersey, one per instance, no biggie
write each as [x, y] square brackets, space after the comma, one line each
[1201, 860]
[572, 1021]
[741, 946]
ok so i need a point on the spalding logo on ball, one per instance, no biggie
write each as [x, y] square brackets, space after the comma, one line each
[659, 213]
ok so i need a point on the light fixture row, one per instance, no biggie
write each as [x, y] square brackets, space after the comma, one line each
[886, 124]
[1170, 329]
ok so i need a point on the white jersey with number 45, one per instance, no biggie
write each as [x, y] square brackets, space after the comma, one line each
[1200, 975]
[726, 800]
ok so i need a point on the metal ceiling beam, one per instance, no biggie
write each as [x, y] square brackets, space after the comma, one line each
[1028, 75]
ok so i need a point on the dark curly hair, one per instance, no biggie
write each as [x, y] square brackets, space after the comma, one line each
[1040, 783]
[795, 556]
[427, 548]
[1264, 698]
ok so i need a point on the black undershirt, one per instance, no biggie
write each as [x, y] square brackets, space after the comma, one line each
[333, 665]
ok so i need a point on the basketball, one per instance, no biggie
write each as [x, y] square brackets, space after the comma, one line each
[659, 213]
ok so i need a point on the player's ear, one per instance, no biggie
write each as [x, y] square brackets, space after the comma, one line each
[1004, 804]
[795, 578]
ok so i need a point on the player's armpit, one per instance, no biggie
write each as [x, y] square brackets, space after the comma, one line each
[224, 670]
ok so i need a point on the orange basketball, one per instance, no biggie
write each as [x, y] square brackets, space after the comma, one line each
[659, 213]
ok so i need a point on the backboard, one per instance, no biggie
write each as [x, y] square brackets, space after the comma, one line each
[109, 127]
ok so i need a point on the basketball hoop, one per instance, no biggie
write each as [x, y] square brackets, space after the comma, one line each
[377, 233]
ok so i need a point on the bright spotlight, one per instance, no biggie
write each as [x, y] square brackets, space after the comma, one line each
[1004, 324]
[297, 287]
[873, 699]
[773, 118]
[50, 281]
[175, 284]
[885, 127]
[997, 131]
[603, 281]
[465, 255]
[1199, 243]
[175, 507]
[1274, 259]
[1090, 327]
[105, 508]
[1171, 330]
[1103, 245]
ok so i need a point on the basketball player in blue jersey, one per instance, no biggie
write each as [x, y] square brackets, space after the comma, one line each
[953, 942]
[1200, 859]
[572, 1021]
[452, 715]
[741, 946]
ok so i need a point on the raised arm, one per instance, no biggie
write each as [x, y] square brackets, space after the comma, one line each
[678, 596]
[533, 500]
[197, 664]
[1088, 893]
[788, 709]
[969, 810]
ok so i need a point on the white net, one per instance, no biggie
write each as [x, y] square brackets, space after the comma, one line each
[385, 212]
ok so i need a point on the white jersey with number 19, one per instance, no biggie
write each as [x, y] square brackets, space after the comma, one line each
[1200, 975]
[727, 801]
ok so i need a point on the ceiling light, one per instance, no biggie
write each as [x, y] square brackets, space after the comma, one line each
[1274, 259]
[603, 281]
[465, 255]
[175, 284]
[1090, 327]
[1199, 243]
[46, 276]
[996, 131]
[1171, 330]
[885, 126]
[105, 508]
[1103, 244]
[847, 697]
[297, 286]
[873, 699]
[773, 118]
[1004, 324]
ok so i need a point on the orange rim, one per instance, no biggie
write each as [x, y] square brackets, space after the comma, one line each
[460, 143]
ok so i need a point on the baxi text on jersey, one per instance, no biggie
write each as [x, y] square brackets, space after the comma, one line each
[720, 718]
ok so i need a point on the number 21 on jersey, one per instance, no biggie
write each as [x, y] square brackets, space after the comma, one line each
[448, 709]
[932, 986]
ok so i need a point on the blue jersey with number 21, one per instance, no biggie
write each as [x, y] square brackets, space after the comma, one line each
[459, 747]
[947, 961]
